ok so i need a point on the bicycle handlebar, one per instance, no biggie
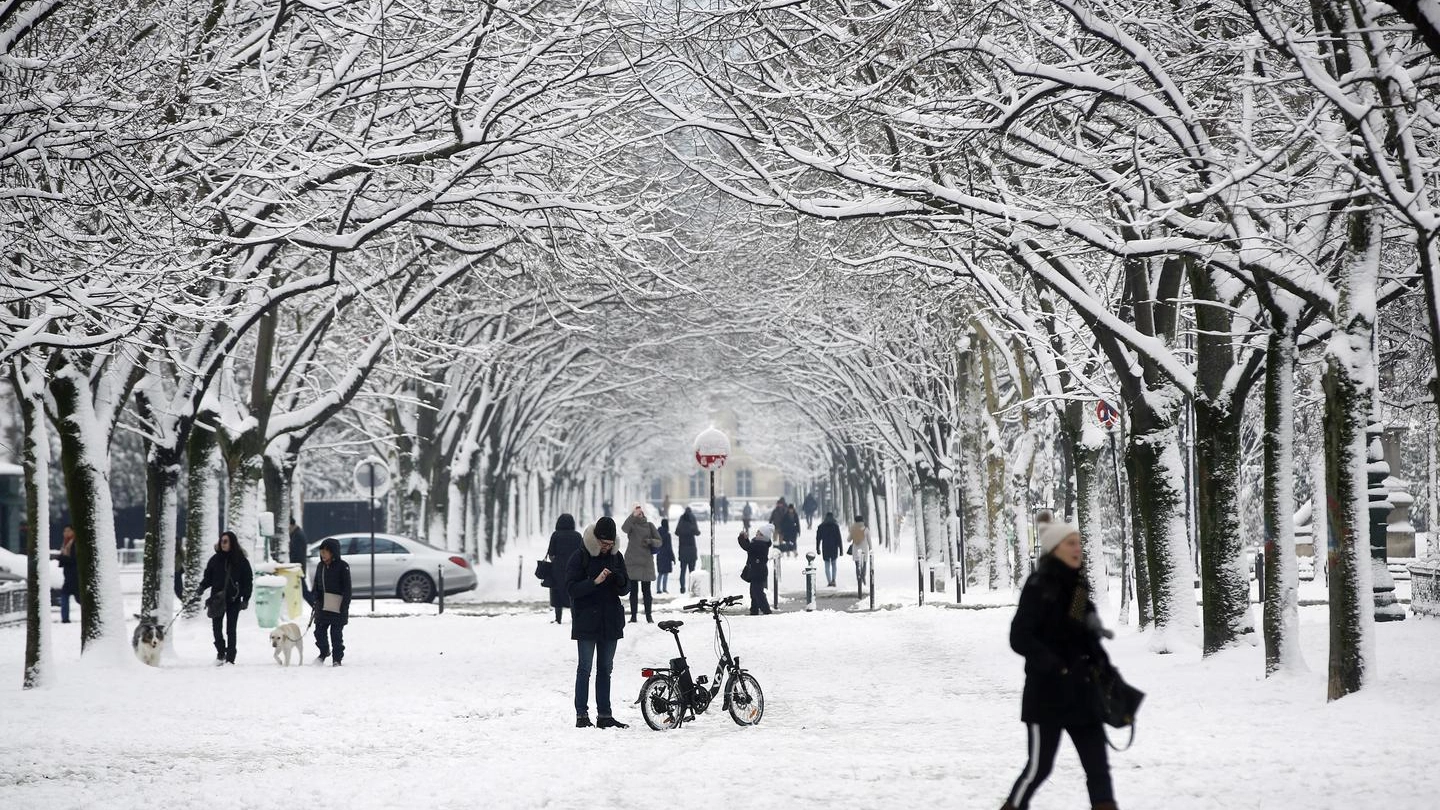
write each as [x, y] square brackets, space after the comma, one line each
[706, 604]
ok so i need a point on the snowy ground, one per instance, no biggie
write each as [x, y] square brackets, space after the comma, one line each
[904, 707]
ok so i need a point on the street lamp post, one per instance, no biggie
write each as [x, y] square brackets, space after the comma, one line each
[372, 475]
[712, 447]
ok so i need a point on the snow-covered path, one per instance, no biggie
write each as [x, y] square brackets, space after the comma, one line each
[899, 708]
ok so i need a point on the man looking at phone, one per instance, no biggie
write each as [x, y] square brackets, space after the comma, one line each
[595, 577]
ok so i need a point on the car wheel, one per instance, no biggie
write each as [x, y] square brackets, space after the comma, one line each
[416, 587]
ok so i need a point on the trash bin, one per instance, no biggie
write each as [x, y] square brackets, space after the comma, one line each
[293, 600]
[266, 597]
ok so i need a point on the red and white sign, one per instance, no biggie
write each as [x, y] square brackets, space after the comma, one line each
[711, 449]
[1108, 416]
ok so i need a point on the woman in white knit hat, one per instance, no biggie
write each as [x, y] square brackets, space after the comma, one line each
[1055, 628]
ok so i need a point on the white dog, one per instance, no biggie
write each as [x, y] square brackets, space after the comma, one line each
[285, 638]
[147, 639]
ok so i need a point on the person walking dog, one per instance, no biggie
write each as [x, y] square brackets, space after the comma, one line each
[229, 577]
[1055, 628]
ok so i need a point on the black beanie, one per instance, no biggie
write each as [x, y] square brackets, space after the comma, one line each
[605, 529]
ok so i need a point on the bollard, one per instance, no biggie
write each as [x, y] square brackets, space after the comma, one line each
[440, 577]
[520, 574]
[1260, 574]
[775, 585]
[809, 581]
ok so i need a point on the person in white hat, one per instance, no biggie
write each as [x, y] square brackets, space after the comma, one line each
[1055, 628]
[757, 566]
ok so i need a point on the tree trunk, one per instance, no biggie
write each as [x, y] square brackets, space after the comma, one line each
[202, 504]
[35, 458]
[162, 502]
[1281, 612]
[1139, 557]
[1224, 581]
[85, 459]
[1157, 473]
[1347, 406]
[1089, 481]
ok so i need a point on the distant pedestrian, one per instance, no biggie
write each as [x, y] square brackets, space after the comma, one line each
[723, 504]
[746, 515]
[595, 578]
[300, 554]
[564, 542]
[69, 570]
[777, 515]
[1055, 628]
[808, 507]
[227, 574]
[686, 530]
[860, 548]
[757, 560]
[642, 541]
[331, 601]
[789, 530]
[827, 545]
[664, 558]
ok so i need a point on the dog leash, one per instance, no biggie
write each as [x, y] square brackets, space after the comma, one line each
[178, 613]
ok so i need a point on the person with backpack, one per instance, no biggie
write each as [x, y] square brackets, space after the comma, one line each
[1055, 628]
[230, 580]
[332, 601]
[595, 578]
[757, 567]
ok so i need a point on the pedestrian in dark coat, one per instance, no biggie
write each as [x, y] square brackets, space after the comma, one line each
[300, 555]
[827, 545]
[564, 542]
[69, 570]
[595, 578]
[331, 601]
[808, 506]
[641, 543]
[758, 561]
[686, 530]
[227, 573]
[1055, 628]
[664, 558]
[777, 515]
[789, 530]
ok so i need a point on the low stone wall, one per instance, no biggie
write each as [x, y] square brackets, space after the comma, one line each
[1425, 586]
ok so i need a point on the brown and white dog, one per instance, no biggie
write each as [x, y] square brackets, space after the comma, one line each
[147, 639]
[284, 639]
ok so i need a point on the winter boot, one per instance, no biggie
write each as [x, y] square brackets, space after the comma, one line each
[583, 721]
[1106, 806]
[609, 722]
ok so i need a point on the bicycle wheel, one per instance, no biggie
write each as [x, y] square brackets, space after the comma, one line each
[744, 699]
[660, 703]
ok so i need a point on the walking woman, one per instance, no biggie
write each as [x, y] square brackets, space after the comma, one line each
[758, 561]
[564, 542]
[595, 578]
[641, 544]
[686, 530]
[228, 575]
[1055, 629]
[332, 601]
[664, 558]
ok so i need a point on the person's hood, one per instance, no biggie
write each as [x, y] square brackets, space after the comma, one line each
[565, 523]
[333, 545]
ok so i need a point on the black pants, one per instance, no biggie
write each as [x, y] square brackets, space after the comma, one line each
[1044, 742]
[333, 626]
[685, 568]
[759, 600]
[226, 648]
[559, 614]
[635, 588]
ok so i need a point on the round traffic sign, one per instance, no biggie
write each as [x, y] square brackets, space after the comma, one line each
[1108, 416]
[372, 476]
[711, 449]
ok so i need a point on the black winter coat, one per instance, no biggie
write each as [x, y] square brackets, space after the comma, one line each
[686, 530]
[69, 569]
[229, 574]
[828, 540]
[1050, 630]
[665, 557]
[595, 610]
[564, 542]
[332, 578]
[757, 557]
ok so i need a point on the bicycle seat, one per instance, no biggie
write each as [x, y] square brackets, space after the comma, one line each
[670, 626]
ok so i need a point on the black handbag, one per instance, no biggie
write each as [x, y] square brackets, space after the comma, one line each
[1119, 701]
[745, 572]
[543, 570]
[215, 605]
